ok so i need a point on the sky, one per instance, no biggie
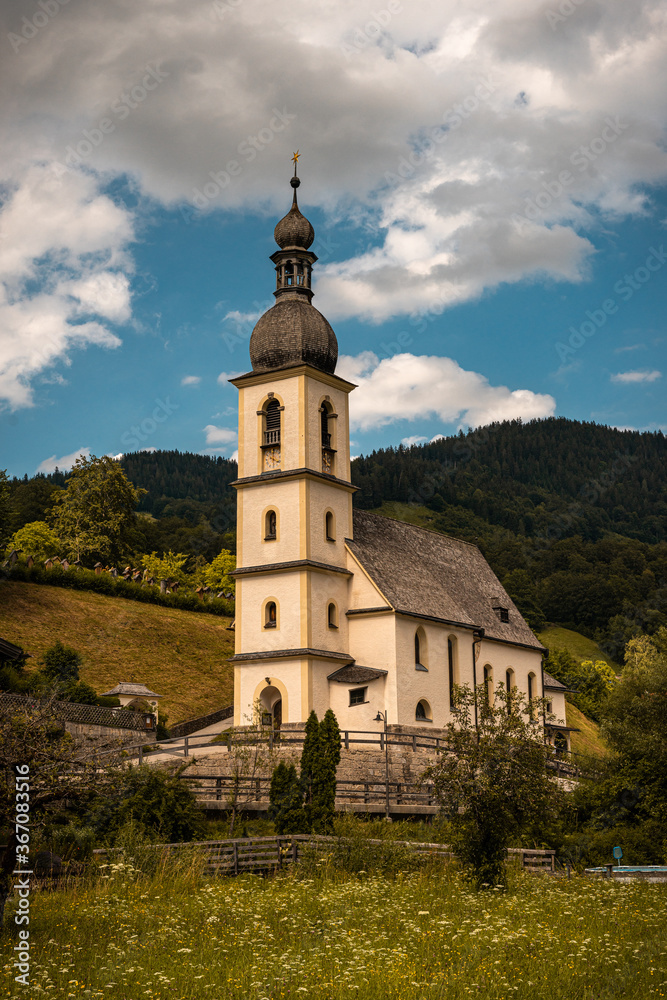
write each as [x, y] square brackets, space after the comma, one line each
[486, 180]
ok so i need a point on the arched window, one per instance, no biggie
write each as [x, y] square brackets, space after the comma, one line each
[531, 695]
[329, 527]
[451, 669]
[420, 650]
[270, 525]
[423, 711]
[488, 685]
[509, 686]
[328, 452]
[332, 615]
[272, 422]
[271, 615]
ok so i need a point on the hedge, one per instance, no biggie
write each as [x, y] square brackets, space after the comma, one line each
[85, 579]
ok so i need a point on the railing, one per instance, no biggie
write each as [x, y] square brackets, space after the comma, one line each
[253, 792]
[272, 437]
[231, 857]
[116, 718]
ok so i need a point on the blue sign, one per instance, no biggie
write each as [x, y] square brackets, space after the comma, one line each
[618, 852]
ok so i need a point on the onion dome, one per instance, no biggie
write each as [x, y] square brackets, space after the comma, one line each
[294, 229]
[293, 332]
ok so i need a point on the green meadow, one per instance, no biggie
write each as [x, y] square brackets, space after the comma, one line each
[318, 932]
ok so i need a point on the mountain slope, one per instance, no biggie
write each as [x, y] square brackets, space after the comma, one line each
[176, 653]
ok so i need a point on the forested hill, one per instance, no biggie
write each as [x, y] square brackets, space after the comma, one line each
[571, 516]
[548, 477]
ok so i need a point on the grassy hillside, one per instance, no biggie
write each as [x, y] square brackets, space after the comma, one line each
[581, 648]
[587, 740]
[179, 654]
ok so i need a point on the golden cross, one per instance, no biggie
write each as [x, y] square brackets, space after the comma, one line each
[295, 157]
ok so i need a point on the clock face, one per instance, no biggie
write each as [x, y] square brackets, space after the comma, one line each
[272, 457]
[326, 461]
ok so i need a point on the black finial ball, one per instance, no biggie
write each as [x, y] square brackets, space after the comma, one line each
[294, 181]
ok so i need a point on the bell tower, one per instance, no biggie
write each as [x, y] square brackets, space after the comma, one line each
[294, 498]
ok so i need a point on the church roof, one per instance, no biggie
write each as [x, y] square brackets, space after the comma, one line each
[426, 574]
[355, 674]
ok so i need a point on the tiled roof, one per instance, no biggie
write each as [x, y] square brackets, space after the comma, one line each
[423, 573]
[137, 690]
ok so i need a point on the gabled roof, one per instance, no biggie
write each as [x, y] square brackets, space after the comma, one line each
[137, 690]
[423, 573]
[551, 684]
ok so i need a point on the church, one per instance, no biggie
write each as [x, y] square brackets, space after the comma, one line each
[335, 607]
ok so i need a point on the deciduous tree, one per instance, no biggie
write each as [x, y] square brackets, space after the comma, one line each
[95, 510]
[492, 780]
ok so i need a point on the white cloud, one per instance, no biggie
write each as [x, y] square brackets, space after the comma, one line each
[407, 387]
[219, 435]
[224, 377]
[637, 376]
[443, 191]
[62, 245]
[64, 463]
[413, 439]
[191, 380]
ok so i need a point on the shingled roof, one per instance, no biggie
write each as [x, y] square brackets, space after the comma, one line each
[423, 573]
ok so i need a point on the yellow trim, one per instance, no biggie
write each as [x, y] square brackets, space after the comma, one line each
[350, 516]
[303, 515]
[237, 618]
[302, 429]
[298, 474]
[241, 439]
[239, 530]
[276, 376]
[237, 696]
[306, 689]
[304, 608]
[276, 684]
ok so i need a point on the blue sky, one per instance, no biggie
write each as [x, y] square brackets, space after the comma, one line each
[487, 189]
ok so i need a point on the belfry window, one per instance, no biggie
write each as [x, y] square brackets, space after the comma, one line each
[326, 421]
[271, 434]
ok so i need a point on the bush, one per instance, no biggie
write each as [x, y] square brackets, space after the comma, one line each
[160, 805]
[84, 579]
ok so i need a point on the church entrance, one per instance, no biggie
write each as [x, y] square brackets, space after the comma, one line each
[272, 707]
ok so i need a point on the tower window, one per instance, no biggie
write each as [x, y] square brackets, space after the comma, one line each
[332, 616]
[326, 412]
[270, 525]
[272, 422]
[488, 685]
[271, 615]
[329, 527]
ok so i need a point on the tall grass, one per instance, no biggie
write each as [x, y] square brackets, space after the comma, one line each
[161, 930]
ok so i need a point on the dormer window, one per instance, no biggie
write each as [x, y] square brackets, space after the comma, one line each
[502, 613]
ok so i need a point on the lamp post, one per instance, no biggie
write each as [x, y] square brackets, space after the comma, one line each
[382, 717]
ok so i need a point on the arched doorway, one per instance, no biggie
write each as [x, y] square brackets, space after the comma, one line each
[272, 707]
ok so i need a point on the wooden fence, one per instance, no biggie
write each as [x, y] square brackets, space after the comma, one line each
[272, 854]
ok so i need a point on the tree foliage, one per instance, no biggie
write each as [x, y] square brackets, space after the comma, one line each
[591, 682]
[286, 801]
[93, 514]
[36, 539]
[492, 780]
[168, 567]
[216, 574]
[61, 663]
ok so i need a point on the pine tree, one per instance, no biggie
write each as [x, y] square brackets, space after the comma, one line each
[309, 756]
[324, 776]
[286, 801]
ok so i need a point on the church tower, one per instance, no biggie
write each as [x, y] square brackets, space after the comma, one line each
[294, 498]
